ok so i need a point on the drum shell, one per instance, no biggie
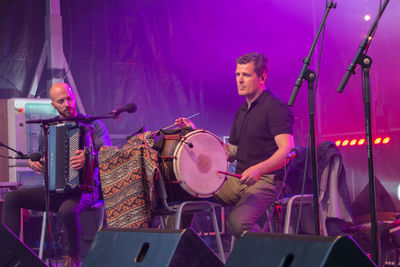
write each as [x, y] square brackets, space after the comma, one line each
[174, 191]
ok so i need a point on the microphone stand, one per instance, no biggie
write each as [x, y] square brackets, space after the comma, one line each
[84, 119]
[45, 128]
[309, 76]
[365, 62]
[16, 151]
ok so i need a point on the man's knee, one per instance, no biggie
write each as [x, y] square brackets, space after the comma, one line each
[68, 214]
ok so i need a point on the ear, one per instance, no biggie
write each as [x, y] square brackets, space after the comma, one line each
[262, 79]
[52, 104]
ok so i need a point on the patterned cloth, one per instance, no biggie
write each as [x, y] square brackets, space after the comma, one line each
[126, 176]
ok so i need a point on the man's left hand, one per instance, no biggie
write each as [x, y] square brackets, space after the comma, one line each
[78, 161]
[251, 175]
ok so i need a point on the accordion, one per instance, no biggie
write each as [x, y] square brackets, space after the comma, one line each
[63, 141]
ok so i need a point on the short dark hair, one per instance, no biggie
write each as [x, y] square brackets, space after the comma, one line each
[260, 62]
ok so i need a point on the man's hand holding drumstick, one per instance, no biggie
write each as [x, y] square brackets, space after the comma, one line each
[183, 122]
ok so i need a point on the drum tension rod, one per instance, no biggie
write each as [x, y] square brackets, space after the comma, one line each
[183, 138]
[188, 143]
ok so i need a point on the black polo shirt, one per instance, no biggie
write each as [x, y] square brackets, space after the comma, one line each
[253, 130]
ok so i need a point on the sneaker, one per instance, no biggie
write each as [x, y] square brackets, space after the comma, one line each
[71, 261]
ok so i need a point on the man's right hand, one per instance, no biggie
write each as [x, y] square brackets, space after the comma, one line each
[183, 122]
[36, 166]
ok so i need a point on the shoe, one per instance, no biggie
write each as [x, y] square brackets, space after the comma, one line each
[71, 261]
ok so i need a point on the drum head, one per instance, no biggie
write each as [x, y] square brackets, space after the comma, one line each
[196, 167]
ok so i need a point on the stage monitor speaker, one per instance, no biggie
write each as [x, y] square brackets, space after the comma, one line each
[149, 247]
[15, 253]
[261, 249]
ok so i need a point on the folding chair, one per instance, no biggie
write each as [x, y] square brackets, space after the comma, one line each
[331, 204]
[187, 207]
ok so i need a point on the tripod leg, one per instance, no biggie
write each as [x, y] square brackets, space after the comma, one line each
[38, 71]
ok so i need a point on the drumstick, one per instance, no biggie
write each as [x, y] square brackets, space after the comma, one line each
[172, 125]
[230, 174]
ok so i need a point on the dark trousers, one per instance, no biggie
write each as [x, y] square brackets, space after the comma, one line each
[68, 208]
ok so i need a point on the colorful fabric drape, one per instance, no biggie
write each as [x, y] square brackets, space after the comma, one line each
[126, 176]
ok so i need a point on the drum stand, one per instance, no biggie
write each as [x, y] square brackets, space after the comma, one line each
[52, 51]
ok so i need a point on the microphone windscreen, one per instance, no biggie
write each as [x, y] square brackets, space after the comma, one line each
[130, 108]
[36, 156]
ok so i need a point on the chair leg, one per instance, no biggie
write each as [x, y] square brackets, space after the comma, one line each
[162, 222]
[102, 210]
[322, 221]
[217, 234]
[178, 218]
[233, 242]
[288, 216]
[43, 235]
[289, 206]
[21, 231]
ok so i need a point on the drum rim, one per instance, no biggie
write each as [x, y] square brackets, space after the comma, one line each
[175, 164]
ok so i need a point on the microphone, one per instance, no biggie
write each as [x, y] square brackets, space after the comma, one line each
[295, 151]
[130, 108]
[34, 156]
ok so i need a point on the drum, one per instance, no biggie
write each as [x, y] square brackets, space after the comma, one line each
[192, 161]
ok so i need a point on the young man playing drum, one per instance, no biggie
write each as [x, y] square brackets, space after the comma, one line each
[260, 140]
[68, 206]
